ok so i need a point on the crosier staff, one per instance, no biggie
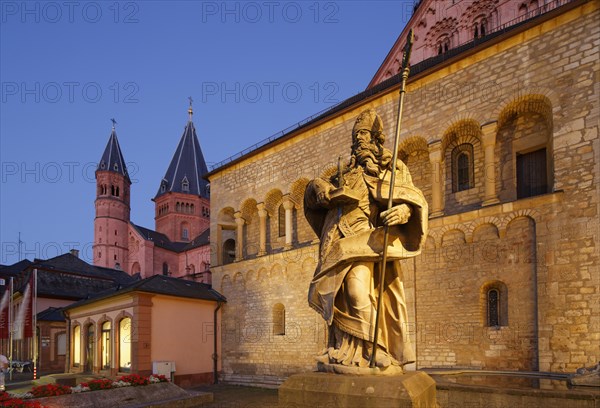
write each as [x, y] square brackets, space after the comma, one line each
[405, 72]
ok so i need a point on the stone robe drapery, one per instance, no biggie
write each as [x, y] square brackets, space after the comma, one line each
[352, 233]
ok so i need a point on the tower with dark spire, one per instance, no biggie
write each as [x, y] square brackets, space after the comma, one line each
[182, 200]
[112, 207]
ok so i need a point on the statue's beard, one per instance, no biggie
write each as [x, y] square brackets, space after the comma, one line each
[373, 158]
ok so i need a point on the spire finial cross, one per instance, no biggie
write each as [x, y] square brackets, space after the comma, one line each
[190, 110]
[114, 122]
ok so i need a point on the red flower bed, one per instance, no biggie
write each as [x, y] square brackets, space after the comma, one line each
[161, 377]
[135, 380]
[50, 390]
[95, 385]
[9, 402]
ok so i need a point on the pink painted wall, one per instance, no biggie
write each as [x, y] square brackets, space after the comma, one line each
[161, 256]
[141, 254]
[182, 331]
[198, 260]
[45, 303]
[42, 303]
[147, 259]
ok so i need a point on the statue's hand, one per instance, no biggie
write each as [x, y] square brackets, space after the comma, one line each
[322, 190]
[399, 214]
[323, 198]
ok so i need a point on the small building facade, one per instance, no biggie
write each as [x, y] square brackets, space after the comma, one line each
[156, 321]
[60, 281]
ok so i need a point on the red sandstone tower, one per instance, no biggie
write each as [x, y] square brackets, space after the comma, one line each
[112, 207]
[182, 200]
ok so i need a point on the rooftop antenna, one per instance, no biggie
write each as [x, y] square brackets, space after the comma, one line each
[20, 242]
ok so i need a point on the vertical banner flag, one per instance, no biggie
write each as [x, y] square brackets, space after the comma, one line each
[29, 318]
[4, 309]
[23, 319]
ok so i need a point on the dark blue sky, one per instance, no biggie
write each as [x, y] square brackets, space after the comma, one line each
[67, 68]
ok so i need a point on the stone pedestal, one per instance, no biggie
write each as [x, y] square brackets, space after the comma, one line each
[325, 390]
[160, 395]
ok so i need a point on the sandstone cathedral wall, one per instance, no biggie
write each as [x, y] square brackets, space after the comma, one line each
[532, 92]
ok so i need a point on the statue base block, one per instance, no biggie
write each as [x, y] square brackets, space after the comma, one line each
[324, 390]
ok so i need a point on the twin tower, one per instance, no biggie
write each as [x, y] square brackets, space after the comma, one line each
[181, 212]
